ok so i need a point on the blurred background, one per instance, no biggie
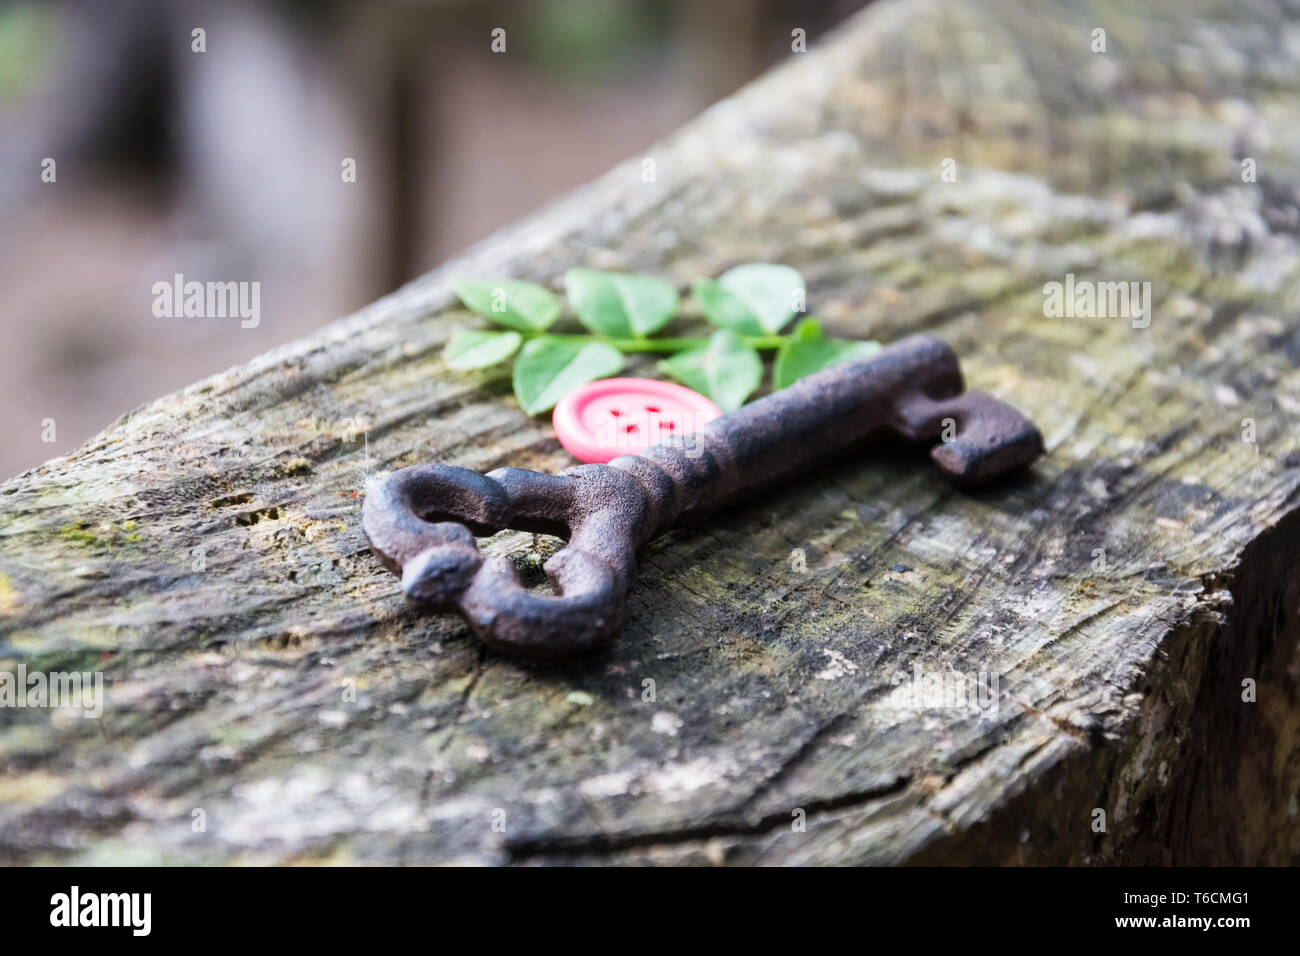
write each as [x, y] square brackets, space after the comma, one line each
[128, 155]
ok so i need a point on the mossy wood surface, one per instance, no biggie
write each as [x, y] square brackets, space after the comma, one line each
[205, 551]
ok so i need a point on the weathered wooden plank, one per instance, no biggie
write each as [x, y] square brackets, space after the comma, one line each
[205, 551]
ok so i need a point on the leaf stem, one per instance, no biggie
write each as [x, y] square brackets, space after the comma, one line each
[761, 342]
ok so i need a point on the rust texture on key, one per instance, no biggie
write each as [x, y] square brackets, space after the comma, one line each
[422, 521]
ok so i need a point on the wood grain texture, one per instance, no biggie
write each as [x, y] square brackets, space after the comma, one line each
[205, 551]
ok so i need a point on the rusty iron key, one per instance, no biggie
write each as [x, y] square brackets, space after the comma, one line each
[422, 521]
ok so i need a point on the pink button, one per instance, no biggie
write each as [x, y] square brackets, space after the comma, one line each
[621, 416]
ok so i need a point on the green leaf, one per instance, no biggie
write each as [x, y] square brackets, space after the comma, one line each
[518, 305]
[727, 369]
[619, 304]
[774, 294]
[755, 299]
[807, 352]
[723, 309]
[548, 367]
[479, 348]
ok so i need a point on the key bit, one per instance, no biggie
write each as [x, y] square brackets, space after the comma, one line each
[422, 521]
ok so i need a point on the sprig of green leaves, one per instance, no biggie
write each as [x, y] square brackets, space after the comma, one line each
[749, 306]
